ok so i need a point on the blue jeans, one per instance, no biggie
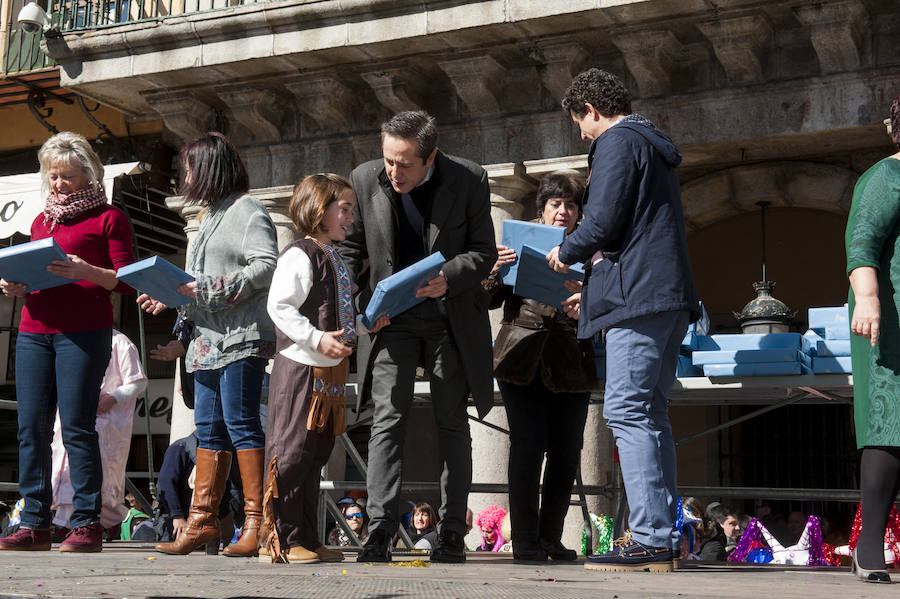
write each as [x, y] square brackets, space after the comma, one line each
[641, 356]
[226, 405]
[60, 371]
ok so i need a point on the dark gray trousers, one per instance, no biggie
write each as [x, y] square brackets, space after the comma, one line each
[419, 336]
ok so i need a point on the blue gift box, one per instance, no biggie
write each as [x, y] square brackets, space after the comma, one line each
[694, 342]
[811, 342]
[686, 368]
[822, 318]
[158, 278]
[536, 280]
[517, 233]
[27, 263]
[832, 323]
[397, 293]
[765, 369]
[759, 341]
[831, 348]
[744, 356]
[832, 365]
[838, 332]
[701, 325]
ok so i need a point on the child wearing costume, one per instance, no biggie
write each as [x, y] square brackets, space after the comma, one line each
[310, 302]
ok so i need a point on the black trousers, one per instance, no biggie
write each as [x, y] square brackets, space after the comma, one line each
[542, 422]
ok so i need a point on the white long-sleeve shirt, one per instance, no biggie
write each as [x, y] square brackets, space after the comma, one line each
[290, 287]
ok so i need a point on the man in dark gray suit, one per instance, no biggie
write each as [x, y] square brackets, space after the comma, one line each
[412, 203]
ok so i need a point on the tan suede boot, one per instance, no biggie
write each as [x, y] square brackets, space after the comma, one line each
[301, 555]
[250, 463]
[203, 522]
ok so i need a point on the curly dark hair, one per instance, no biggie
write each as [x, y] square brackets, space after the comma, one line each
[559, 184]
[895, 121]
[601, 89]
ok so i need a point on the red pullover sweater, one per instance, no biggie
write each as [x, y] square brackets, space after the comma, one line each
[101, 237]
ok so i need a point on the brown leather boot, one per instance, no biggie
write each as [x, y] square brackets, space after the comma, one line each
[251, 463]
[203, 522]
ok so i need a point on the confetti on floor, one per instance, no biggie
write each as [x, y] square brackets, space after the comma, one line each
[416, 563]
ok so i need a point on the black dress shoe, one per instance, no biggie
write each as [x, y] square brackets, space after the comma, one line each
[450, 548]
[376, 548]
[528, 552]
[558, 552]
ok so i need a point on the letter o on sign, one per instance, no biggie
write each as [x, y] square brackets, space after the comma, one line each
[9, 210]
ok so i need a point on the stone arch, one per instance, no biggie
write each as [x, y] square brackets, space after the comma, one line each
[786, 184]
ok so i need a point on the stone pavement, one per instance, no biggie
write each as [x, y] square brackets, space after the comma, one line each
[132, 570]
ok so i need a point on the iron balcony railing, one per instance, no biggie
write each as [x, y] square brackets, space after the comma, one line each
[21, 51]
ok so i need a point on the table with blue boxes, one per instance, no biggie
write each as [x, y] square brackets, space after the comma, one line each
[770, 368]
[823, 349]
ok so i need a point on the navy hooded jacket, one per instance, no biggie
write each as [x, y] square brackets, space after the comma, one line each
[633, 214]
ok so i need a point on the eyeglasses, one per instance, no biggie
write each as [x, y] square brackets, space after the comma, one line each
[352, 516]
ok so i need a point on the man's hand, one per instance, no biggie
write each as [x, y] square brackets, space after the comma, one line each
[331, 346]
[106, 403]
[573, 285]
[553, 260]
[177, 527]
[168, 352]
[381, 322]
[436, 287]
[572, 306]
[150, 305]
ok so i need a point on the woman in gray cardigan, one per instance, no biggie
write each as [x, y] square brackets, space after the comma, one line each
[232, 258]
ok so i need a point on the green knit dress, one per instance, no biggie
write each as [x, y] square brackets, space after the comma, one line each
[873, 239]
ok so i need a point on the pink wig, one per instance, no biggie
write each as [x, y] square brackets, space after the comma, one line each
[492, 517]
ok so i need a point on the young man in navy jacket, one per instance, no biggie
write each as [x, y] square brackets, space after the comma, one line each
[639, 288]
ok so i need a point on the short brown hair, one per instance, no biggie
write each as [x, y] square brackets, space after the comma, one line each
[424, 506]
[312, 197]
[559, 184]
[417, 125]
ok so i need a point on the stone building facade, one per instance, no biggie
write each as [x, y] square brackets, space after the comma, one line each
[778, 101]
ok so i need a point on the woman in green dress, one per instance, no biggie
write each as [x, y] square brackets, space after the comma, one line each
[873, 264]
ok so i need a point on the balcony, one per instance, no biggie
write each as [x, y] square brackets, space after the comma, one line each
[20, 52]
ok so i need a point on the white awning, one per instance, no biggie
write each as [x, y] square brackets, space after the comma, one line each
[21, 199]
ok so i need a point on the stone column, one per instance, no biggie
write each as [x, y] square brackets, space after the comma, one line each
[182, 416]
[511, 190]
[598, 467]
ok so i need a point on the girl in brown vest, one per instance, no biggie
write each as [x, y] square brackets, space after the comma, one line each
[311, 303]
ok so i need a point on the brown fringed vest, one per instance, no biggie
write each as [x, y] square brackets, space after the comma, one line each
[320, 307]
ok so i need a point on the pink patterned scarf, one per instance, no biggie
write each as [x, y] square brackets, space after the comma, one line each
[57, 211]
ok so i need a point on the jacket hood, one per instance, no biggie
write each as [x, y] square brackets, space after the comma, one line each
[662, 142]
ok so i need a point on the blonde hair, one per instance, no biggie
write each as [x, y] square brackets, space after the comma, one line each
[74, 150]
[311, 199]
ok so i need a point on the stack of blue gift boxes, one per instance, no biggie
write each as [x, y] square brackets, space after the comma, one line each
[828, 339]
[823, 349]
